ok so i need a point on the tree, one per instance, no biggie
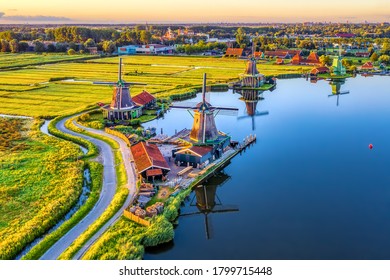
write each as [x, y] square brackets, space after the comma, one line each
[241, 37]
[89, 43]
[385, 48]
[39, 46]
[4, 45]
[325, 60]
[384, 59]
[145, 36]
[109, 46]
[14, 46]
[23, 46]
[51, 48]
[374, 57]
[71, 52]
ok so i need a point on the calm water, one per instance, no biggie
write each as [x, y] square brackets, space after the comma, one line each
[308, 189]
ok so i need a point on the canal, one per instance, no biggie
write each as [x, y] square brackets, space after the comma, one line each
[310, 187]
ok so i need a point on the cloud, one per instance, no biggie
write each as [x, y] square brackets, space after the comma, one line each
[36, 18]
[32, 18]
[12, 10]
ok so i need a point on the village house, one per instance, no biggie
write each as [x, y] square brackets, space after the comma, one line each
[234, 52]
[285, 54]
[149, 161]
[195, 155]
[145, 100]
[312, 59]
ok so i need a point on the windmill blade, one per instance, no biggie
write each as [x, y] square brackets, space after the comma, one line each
[186, 106]
[262, 113]
[257, 114]
[104, 83]
[207, 96]
[229, 113]
[132, 84]
[190, 214]
[225, 208]
[208, 226]
[341, 93]
[225, 108]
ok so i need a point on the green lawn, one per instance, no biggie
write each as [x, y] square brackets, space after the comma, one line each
[40, 180]
[27, 91]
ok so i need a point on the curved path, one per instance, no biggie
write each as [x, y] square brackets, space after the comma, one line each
[106, 195]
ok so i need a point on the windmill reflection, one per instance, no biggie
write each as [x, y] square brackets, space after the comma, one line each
[207, 201]
[336, 89]
[251, 98]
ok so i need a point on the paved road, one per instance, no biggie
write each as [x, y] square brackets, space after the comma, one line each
[106, 196]
[131, 184]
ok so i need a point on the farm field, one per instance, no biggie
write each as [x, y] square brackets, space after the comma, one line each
[10, 60]
[55, 89]
[40, 180]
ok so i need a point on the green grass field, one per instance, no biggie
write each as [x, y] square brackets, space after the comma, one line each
[40, 180]
[28, 90]
[10, 60]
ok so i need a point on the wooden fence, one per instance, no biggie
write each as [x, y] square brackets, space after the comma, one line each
[118, 134]
[135, 218]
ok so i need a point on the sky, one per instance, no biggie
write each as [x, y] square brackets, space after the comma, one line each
[190, 11]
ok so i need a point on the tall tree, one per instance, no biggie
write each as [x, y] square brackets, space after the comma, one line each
[39, 46]
[145, 36]
[4, 45]
[241, 38]
[109, 46]
[14, 46]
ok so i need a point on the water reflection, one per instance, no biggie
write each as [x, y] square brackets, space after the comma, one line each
[251, 98]
[207, 202]
[336, 89]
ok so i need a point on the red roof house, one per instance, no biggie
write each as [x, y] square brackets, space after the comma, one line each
[234, 52]
[148, 156]
[367, 66]
[319, 70]
[312, 59]
[144, 99]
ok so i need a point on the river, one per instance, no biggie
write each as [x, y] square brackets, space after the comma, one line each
[310, 187]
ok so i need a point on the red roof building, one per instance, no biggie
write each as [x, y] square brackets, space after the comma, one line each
[282, 53]
[279, 61]
[297, 59]
[144, 99]
[147, 157]
[258, 54]
[367, 66]
[319, 70]
[234, 52]
[312, 59]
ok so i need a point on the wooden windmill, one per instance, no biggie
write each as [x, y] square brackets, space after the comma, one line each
[121, 107]
[251, 78]
[204, 129]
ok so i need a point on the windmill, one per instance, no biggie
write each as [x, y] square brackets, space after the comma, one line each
[251, 78]
[208, 203]
[336, 89]
[204, 129]
[251, 98]
[121, 106]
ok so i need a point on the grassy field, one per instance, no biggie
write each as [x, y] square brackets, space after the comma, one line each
[11, 60]
[31, 90]
[40, 180]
